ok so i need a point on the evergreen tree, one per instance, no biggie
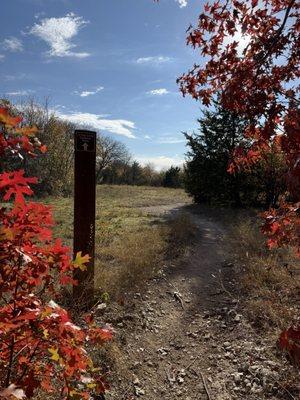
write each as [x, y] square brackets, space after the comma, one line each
[136, 177]
[172, 177]
[206, 177]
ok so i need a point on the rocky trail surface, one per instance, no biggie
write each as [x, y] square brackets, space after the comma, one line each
[185, 337]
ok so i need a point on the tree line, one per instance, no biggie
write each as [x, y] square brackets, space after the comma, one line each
[114, 163]
[204, 175]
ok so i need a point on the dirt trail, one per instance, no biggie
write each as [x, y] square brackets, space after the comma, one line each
[184, 338]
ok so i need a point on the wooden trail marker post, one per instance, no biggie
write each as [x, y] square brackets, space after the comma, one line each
[84, 212]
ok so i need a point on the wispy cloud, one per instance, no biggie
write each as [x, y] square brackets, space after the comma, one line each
[58, 34]
[160, 162]
[12, 44]
[39, 15]
[2, 56]
[97, 122]
[20, 93]
[15, 77]
[153, 60]
[170, 140]
[87, 93]
[182, 3]
[158, 92]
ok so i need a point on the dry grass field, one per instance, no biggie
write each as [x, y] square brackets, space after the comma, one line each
[132, 239]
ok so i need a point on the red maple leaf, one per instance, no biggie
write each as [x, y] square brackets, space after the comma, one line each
[15, 183]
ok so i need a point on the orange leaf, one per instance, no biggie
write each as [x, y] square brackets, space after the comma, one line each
[7, 119]
[27, 131]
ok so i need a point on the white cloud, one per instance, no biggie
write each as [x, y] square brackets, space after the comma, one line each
[182, 3]
[171, 140]
[153, 60]
[147, 137]
[2, 57]
[160, 162]
[12, 44]
[118, 126]
[20, 93]
[58, 34]
[86, 93]
[158, 92]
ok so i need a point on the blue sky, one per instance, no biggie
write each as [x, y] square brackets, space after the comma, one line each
[111, 64]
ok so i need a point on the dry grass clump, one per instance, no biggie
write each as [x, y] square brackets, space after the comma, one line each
[271, 279]
[266, 314]
[130, 260]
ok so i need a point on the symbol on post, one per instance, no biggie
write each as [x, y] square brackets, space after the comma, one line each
[85, 141]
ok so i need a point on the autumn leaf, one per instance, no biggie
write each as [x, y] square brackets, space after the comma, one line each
[290, 341]
[6, 234]
[80, 261]
[27, 131]
[7, 119]
[43, 148]
[275, 226]
[91, 385]
[15, 183]
[74, 394]
[54, 354]
[46, 333]
[106, 334]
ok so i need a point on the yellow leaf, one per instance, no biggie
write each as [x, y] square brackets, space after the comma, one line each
[54, 354]
[74, 394]
[80, 261]
[91, 385]
[46, 333]
[47, 312]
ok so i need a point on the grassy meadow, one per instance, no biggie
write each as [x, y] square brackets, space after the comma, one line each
[132, 239]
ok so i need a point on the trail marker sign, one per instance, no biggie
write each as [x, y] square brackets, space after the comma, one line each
[85, 141]
[84, 211]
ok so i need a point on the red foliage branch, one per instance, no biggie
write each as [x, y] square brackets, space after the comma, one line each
[250, 57]
[258, 81]
[40, 347]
